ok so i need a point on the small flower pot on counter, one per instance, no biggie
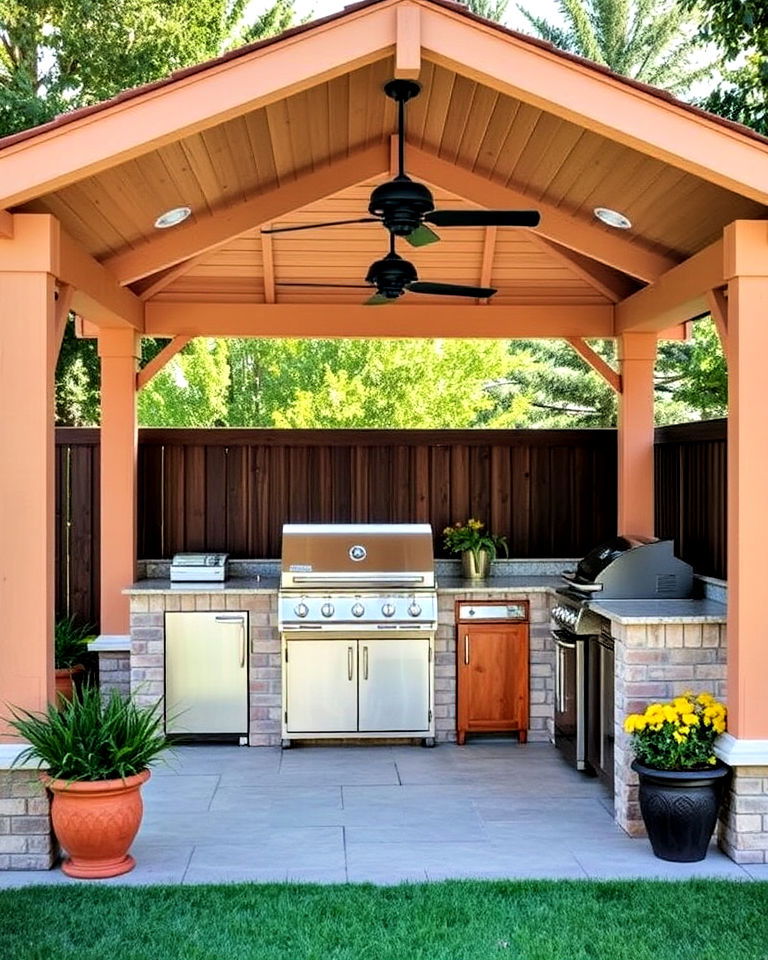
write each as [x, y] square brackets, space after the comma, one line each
[475, 566]
[680, 808]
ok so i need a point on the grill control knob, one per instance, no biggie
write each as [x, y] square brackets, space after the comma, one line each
[327, 609]
[388, 610]
[301, 610]
[414, 610]
[358, 610]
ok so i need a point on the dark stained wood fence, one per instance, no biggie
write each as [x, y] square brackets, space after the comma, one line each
[552, 493]
[691, 485]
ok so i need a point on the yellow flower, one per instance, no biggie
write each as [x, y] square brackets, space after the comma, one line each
[679, 737]
[691, 719]
[705, 699]
[670, 714]
[657, 727]
[712, 759]
[683, 705]
[719, 726]
[685, 731]
[634, 722]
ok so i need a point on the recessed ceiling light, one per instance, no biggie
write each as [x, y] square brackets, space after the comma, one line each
[172, 217]
[613, 218]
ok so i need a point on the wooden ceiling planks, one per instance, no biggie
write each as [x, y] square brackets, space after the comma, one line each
[473, 126]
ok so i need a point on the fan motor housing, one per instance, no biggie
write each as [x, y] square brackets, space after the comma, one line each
[391, 275]
[401, 203]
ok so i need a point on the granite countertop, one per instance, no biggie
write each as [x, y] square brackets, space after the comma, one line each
[519, 584]
[661, 611]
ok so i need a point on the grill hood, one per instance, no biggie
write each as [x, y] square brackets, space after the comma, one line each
[358, 555]
[631, 568]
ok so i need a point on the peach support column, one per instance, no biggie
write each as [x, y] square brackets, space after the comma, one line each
[746, 268]
[27, 333]
[637, 356]
[119, 351]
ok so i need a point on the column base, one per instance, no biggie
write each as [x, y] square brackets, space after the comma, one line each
[26, 839]
[744, 818]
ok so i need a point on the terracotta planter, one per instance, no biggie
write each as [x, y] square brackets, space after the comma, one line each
[65, 681]
[96, 823]
[475, 566]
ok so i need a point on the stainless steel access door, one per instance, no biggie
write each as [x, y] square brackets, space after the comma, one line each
[394, 684]
[320, 685]
[206, 673]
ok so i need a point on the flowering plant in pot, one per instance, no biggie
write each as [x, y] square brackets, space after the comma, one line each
[477, 546]
[96, 752]
[70, 644]
[681, 780]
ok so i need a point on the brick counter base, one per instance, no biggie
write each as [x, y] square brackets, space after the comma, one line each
[744, 818]
[26, 840]
[658, 662]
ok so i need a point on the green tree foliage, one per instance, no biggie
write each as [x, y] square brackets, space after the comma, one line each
[490, 9]
[59, 54]
[654, 41]
[191, 390]
[740, 29]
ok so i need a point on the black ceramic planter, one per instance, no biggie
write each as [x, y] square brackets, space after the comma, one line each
[679, 808]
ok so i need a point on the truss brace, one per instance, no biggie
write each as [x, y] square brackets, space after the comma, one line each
[611, 377]
[157, 363]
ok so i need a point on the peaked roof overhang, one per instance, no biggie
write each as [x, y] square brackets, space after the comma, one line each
[516, 96]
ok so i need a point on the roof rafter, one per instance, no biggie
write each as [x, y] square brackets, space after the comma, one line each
[596, 274]
[676, 297]
[598, 243]
[192, 239]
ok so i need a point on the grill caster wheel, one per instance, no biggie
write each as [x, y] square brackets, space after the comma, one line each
[428, 742]
[285, 744]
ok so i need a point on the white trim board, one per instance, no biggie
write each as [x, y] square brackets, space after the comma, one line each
[741, 753]
[8, 754]
[111, 643]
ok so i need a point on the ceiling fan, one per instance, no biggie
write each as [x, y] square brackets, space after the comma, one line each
[393, 276]
[405, 207]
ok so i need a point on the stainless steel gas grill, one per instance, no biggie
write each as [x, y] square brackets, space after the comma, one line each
[621, 569]
[357, 617]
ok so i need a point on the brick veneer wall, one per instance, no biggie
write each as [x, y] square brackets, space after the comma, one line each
[115, 672]
[744, 817]
[26, 840]
[657, 662]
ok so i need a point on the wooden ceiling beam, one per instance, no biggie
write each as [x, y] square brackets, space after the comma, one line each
[6, 225]
[167, 319]
[97, 295]
[611, 377]
[205, 233]
[604, 104]
[167, 278]
[586, 237]
[676, 297]
[489, 254]
[408, 41]
[613, 286]
[268, 267]
[194, 102]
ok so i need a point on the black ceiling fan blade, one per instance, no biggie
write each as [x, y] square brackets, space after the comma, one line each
[484, 218]
[422, 236]
[450, 290]
[316, 226]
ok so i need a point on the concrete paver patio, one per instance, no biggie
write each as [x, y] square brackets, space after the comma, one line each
[383, 814]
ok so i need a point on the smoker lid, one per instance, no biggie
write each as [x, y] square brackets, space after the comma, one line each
[365, 554]
[592, 565]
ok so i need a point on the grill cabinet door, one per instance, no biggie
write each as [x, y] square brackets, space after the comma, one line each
[394, 684]
[321, 686]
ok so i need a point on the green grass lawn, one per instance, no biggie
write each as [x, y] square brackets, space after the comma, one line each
[457, 920]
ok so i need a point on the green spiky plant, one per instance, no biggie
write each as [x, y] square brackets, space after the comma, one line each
[70, 641]
[92, 737]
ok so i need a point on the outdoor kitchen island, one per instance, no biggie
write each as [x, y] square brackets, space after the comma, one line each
[661, 648]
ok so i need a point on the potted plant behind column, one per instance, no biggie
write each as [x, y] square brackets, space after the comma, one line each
[681, 780]
[96, 753]
[70, 643]
[476, 545]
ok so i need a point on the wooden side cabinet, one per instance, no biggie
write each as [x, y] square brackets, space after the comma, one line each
[492, 669]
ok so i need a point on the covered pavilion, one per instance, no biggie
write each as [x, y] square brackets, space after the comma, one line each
[296, 129]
